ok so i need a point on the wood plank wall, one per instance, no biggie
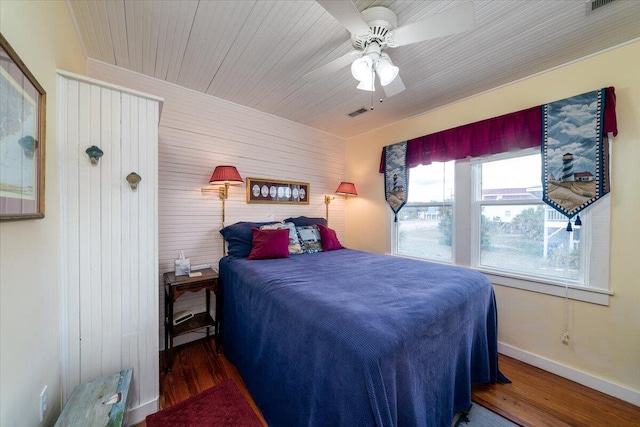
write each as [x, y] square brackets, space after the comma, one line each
[198, 132]
[108, 236]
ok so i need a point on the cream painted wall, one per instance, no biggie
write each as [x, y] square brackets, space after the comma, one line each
[43, 35]
[605, 341]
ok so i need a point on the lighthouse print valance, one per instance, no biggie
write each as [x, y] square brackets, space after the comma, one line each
[575, 150]
[572, 134]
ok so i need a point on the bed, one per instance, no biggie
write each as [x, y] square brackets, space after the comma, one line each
[350, 338]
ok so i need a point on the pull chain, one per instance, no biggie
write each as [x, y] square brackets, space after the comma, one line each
[373, 86]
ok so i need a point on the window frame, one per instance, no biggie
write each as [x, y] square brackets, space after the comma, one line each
[465, 243]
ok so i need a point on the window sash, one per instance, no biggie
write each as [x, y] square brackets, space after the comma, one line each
[466, 238]
[583, 264]
[593, 270]
[396, 235]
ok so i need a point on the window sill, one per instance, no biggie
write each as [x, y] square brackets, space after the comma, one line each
[576, 292]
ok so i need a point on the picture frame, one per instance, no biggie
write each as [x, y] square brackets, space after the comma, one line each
[264, 190]
[22, 138]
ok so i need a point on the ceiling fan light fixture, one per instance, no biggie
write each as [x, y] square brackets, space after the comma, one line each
[361, 68]
[367, 83]
[387, 72]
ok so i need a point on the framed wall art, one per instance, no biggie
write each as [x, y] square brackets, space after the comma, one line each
[22, 134]
[263, 190]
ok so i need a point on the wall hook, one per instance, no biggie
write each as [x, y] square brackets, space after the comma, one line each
[94, 154]
[28, 145]
[133, 179]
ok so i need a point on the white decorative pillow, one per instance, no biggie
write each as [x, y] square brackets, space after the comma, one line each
[310, 239]
[294, 243]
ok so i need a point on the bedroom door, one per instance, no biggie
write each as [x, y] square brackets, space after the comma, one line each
[109, 236]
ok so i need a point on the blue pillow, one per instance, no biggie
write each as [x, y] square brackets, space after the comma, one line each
[303, 221]
[239, 237]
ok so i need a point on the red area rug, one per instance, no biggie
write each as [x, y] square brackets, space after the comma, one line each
[220, 406]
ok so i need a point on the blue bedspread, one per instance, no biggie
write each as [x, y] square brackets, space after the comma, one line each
[349, 338]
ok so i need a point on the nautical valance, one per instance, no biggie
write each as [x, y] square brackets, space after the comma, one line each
[395, 176]
[521, 129]
[575, 150]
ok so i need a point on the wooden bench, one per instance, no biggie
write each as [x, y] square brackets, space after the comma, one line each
[102, 402]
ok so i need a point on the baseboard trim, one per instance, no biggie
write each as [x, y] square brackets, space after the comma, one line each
[588, 380]
[139, 413]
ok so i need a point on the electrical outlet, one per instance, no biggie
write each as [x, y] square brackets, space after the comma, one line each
[43, 403]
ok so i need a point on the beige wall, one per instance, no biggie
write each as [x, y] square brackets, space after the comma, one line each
[605, 341]
[43, 35]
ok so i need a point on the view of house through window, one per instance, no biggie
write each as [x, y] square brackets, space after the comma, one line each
[518, 232]
[425, 223]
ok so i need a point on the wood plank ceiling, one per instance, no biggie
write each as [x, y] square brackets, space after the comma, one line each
[255, 52]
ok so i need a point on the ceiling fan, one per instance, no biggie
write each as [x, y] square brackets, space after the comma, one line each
[375, 29]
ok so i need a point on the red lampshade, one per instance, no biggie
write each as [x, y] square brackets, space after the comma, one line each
[225, 175]
[347, 188]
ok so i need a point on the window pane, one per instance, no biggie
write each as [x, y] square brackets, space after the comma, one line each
[425, 232]
[532, 241]
[432, 183]
[517, 178]
[528, 239]
[425, 225]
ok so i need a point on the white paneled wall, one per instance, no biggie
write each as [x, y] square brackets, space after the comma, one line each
[109, 236]
[199, 132]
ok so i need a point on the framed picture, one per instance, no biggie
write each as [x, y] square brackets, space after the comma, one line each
[262, 190]
[22, 134]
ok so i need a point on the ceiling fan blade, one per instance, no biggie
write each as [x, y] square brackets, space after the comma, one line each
[394, 88]
[333, 66]
[347, 14]
[451, 21]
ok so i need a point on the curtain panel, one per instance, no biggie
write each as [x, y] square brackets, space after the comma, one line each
[518, 130]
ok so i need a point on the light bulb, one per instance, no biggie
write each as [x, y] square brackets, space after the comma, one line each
[368, 84]
[361, 68]
[385, 69]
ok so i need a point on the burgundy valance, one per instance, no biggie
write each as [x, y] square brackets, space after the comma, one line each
[522, 129]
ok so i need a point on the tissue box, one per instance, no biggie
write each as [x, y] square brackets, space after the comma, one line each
[183, 267]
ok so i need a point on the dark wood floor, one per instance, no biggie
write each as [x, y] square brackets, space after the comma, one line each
[539, 398]
[535, 397]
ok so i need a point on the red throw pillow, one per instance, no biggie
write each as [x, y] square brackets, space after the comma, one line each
[268, 244]
[328, 238]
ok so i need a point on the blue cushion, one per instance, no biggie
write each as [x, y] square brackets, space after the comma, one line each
[303, 221]
[239, 237]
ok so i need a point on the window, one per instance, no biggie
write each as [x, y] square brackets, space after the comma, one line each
[519, 233]
[499, 224]
[425, 223]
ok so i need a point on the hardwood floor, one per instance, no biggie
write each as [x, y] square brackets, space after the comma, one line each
[539, 398]
[196, 368]
[535, 397]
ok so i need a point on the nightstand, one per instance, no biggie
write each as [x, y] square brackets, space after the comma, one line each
[176, 286]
